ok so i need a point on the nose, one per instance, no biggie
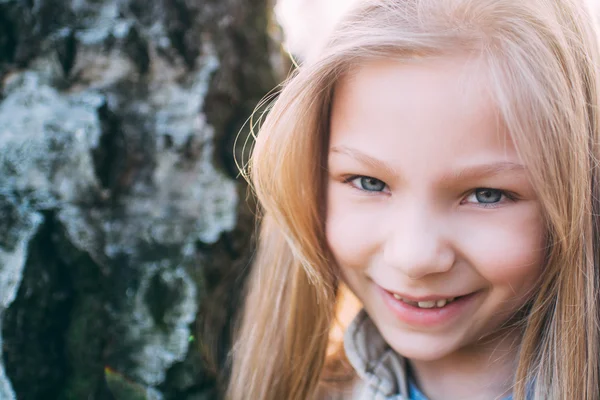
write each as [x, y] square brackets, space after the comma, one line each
[418, 244]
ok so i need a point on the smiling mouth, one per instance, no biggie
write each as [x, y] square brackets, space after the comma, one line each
[428, 303]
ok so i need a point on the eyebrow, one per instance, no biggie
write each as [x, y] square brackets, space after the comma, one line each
[480, 171]
[468, 172]
[364, 158]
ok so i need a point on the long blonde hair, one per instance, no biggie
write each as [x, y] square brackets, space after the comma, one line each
[542, 57]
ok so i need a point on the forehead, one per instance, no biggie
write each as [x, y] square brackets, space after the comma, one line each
[419, 113]
[455, 84]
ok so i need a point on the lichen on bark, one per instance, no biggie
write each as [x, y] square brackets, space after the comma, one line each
[19, 224]
[117, 121]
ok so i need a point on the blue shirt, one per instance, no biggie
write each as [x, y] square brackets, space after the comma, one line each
[415, 394]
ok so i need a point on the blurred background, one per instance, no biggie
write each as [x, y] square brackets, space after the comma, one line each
[126, 232]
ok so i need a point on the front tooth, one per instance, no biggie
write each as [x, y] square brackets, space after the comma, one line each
[397, 297]
[451, 299]
[440, 303]
[427, 304]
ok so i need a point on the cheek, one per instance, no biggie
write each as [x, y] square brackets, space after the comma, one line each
[351, 231]
[509, 249]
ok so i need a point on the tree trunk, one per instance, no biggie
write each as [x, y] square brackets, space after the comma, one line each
[125, 235]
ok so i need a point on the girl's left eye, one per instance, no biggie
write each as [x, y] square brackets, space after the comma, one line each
[487, 197]
[367, 183]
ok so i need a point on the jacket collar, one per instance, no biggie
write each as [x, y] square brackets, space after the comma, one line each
[375, 362]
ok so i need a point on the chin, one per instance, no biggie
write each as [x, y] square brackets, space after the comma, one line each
[423, 349]
[421, 354]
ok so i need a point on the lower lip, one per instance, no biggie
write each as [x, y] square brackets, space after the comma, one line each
[428, 317]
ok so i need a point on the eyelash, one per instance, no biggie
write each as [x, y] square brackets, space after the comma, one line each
[504, 195]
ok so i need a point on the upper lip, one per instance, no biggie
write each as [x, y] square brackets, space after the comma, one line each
[434, 297]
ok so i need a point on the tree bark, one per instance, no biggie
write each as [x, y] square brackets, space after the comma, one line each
[125, 234]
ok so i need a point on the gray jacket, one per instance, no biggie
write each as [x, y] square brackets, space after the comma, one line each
[381, 371]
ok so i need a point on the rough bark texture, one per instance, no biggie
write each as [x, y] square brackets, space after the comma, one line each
[124, 231]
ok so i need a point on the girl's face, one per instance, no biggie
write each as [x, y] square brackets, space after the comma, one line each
[430, 212]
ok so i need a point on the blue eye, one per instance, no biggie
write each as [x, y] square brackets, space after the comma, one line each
[486, 196]
[367, 183]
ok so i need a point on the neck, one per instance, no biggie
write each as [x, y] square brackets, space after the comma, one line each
[482, 371]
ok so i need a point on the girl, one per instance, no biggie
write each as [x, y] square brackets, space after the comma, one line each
[439, 158]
